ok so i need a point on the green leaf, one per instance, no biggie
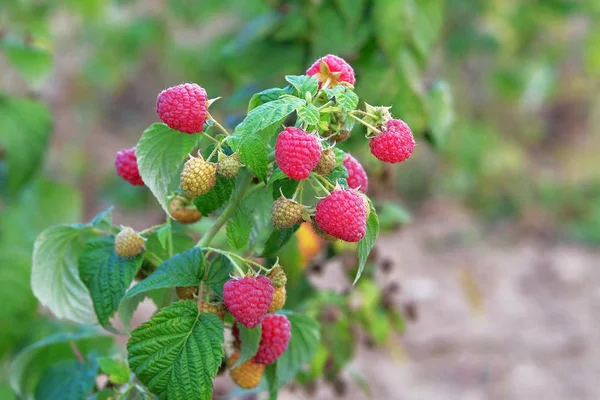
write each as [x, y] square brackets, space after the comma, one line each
[129, 304]
[67, 380]
[303, 84]
[441, 112]
[183, 269]
[287, 186]
[331, 33]
[161, 153]
[163, 235]
[6, 393]
[117, 370]
[30, 364]
[103, 220]
[277, 239]
[55, 277]
[250, 339]
[428, 22]
[34, 62]
[238, 228]
[26, 128]
[335, 91]
[272, 381]
[107, 275]
[260, 203]
[352, 10]
[268, 95]
[395, 16]
[339, 155]
[338, 175]
[276, 175]
[181, 242]
[309, 113]
[53, 203]
[301, 349]
[218, 273]
[267, 114]
[178, 352]
[106, 394]
[411, 72]
[347, 100]
[391, 215]
[253, 154]
[366, 244]
[339, 338]
[217, 196]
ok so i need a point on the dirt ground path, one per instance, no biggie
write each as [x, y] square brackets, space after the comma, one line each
[534, 336]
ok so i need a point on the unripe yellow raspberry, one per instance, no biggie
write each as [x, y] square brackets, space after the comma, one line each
[198, 177]
[247, 375]
[229, 166]
[277, 276]
[186, 292]
[128, 243]
[326, 163]
[286, 213]
[183, 214]
[278, 300]
[217, 309]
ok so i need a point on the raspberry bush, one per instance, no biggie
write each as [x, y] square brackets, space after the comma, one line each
[277, 169]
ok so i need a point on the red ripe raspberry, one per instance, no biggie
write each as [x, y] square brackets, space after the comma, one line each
[127, 167]
[357, 177]
[183, 107]
[276, 333]
[343, 215]
[337, 70]
[248, 299]
[395, 144]
[297, 152]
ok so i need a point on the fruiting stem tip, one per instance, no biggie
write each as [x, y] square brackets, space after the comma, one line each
[365, 123]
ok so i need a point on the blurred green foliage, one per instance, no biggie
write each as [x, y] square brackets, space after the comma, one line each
[504, 91]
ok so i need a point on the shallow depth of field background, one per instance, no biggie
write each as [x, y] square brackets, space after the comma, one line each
[498, 269]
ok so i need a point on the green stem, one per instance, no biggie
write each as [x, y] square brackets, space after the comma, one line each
[319, 184]
[170, 237]
[298, 188]
[326, 105]
[242, 259]
[201, 294]
[248, 261]
[325, 181]
[364, 123]
[212, 138]
[153, 258]
[152, 228]
[124, 392]
[233, 205]
[217, 124]
[364, 113]
[76, 351]
[228, 254]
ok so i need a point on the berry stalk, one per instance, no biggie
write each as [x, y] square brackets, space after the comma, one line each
[364, 123]
[217, 124]
[246, 261]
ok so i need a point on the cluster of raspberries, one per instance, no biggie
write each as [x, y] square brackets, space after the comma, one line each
[342, 214]
[298, 153]
[252, 301]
